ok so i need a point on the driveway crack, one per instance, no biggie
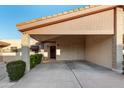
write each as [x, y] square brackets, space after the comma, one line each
[70, 68]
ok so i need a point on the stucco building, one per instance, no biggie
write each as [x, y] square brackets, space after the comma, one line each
[2, 45]
[93, 33]
[12, 49]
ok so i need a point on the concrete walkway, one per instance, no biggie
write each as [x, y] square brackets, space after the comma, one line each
[4, 80]
[70, 75]
[56, 75]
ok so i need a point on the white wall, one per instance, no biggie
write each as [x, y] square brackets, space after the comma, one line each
[99, 50]
[12, 56]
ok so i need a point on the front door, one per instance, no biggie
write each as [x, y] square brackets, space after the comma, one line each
[53, 52]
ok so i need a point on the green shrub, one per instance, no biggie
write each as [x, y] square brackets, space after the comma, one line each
[35, 59]
[15, 69]
[32, 61]
[38, 58]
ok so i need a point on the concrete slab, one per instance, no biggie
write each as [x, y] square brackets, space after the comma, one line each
[93, 76]
[69, 75]
[56, 75]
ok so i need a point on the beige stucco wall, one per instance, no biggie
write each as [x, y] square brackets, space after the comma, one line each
[93, 48]
[99, 50]
[71, 47]
[100, 23]
[64, 15]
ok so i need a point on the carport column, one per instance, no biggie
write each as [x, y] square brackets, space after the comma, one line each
[119, 28]
[26, 50]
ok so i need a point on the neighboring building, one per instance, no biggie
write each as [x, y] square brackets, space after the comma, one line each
[13, 51]
[93, 33]
[2, 45]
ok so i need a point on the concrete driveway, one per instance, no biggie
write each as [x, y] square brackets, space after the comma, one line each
[70, 75]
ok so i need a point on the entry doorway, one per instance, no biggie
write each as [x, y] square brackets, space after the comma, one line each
[52, 52]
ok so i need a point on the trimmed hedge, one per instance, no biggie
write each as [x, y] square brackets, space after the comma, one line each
[16, 69]
[35, 59]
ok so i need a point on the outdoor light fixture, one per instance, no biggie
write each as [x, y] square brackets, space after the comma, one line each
[57, 44]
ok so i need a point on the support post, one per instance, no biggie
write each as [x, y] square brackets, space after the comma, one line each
[26, 50]
[118, 39]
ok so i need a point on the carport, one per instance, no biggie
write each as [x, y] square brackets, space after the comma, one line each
[93, 33]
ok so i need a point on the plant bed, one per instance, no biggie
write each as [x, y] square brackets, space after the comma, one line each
[15, 69]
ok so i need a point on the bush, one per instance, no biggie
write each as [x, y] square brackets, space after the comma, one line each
[32, 61]
[15, 69]
[38, 58]
[35, 59]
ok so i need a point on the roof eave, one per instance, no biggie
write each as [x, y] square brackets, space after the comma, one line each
[67, 17]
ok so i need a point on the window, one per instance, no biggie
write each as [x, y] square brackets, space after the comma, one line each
[14, 49]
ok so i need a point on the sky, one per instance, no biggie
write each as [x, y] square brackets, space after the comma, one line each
[10, 15]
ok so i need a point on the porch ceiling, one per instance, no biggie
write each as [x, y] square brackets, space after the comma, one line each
[44, 37]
